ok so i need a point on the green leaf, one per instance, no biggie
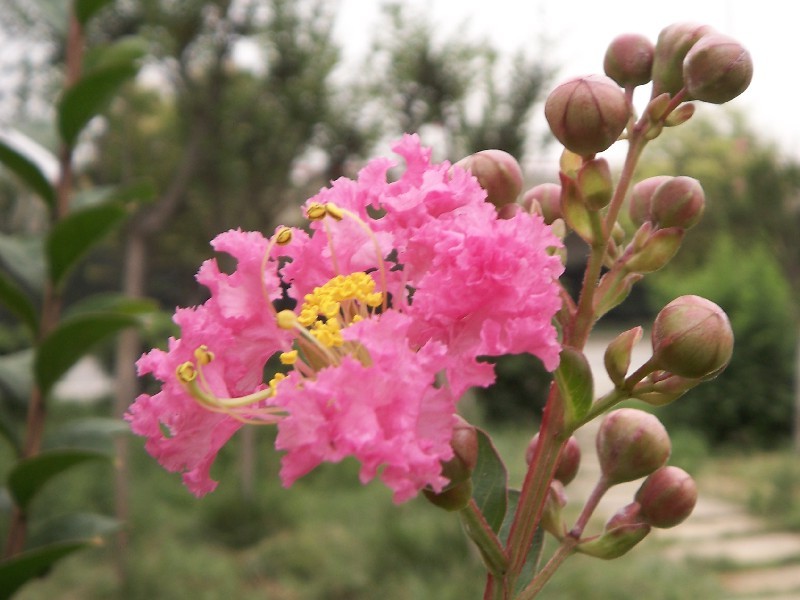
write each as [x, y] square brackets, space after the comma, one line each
[72, 527]
[93, 433]
[85, 9]
[575, 383]
[71, 340]
[88, 97]
[16, 301]
[24, 168]
[531, 564]
[112, 302]
[124, 51]
[23, 257]
[16, 375]
[29, 475]
[490, 480]
[20, 569]
[72, 237]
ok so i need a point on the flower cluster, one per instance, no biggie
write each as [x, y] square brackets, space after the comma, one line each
[371, 325]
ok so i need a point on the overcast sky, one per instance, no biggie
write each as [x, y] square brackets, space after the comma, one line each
[581, 31]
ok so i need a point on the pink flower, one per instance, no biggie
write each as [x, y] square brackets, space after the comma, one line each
[399, 287]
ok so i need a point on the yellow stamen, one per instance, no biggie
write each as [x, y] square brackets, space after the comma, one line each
[284, 236]
[186, 372]
[286, 319]
[334, 211]
[316, 211]
[203, 355]
[288, 358]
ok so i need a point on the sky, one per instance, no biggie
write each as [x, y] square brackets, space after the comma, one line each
[581, 32]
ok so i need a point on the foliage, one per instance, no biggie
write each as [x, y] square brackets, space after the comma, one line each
[751, 403]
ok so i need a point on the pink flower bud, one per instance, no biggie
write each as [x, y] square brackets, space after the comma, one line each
[642, 198]
[568, 462]
[667, 497]
[692, 338]
[465, 448]
[678, 202]
[717, 69]
[662, 388]
[631, 444]
[629, 59]
[587, 114]
[595, 184]
[548, 199]
[674, 42]
[498, 173]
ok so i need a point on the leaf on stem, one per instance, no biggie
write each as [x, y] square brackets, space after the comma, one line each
[575, 383]
[24, 168]
[490, 483]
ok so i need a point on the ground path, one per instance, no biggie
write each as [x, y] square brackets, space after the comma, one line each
[753, 561]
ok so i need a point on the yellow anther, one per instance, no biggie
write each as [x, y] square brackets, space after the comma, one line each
[273, 383]
[283, 236]
[374, 300]
[334, 211]
[203, 355]
[186, 372]
[356, 319]
[329, 307]
[316, 211]
[286, 319]
[288, 358]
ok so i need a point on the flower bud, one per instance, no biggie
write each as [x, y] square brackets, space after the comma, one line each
[568, 462]
[458, 492]
[621, 533]
[674, 42]
[667, 497]
[657, 250]
[587, 114]
[551, 515]
[678, 202]
[548, 197]
[595, 184]
[662, 388]
[642, 198]
[617, 357]
[680, 115]
[717, 69]
[692, 338]
[629, 59]
[631, 444]
[498, 173]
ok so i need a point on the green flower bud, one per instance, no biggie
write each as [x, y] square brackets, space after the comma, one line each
[642, 198]
[547, 197]
[662, 388]
[551, 515]
[680, 115]
[678, 202]
[498, 173]
[667, 497]
[621, 533]
[674, 42]
[717, 69]
[629, 59]
[568, 462]
[587, 114]
[617, 357]
[631, 444]
[595, 184]
[692, 338]
[656, 251]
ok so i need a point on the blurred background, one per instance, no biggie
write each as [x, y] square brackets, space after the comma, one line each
[242, 110]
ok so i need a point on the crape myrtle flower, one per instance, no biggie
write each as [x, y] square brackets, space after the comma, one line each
[398, 289]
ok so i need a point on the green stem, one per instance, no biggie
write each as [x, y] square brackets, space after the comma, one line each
[564, 551]
[479, 531]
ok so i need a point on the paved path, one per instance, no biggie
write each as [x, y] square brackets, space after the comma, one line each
[752, 561]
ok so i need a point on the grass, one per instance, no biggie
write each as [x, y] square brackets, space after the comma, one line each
[326, 538]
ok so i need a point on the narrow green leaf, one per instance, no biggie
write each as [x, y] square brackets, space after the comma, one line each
[23, 257]
[490, 481]
[575, 383]
[94, 433]
[71, 340]
[16, 375]
[16, 301]
[17, 571]
[29, 475]
[88, 97]
[124, 51]
[72, 527]
[112, 302]
[27, 170]
[72, 237]
[85, 9]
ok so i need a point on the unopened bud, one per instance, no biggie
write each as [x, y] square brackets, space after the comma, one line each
[629, 59]
[595, 184]
[621, 533]
[656, 251]
[678, 202]
[617, 357]
[551, 515]
[498, 173]
[692, 337]
[717, 69]
[548, 198]
[667, 497]
[662, 388]
[568, 462]
[680, 115]
[587, 114]
[631, 444]
[674, 42]
[458, 492]
[642, 198]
